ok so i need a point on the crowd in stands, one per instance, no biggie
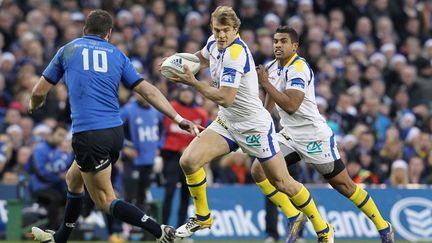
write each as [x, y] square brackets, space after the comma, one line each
[373, 80]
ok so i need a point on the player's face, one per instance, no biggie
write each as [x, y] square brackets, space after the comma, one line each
[224, 34]
[283, 48]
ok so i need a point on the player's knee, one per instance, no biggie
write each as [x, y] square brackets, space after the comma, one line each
[288, 186]
[103, 202]
[345, 187]
[188, 163]
[257, 172]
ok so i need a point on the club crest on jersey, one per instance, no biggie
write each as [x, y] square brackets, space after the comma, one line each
[253, 140]
[314, 147]
[227, 78]
[228, 75]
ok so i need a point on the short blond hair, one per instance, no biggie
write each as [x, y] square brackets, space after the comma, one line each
[225, 15]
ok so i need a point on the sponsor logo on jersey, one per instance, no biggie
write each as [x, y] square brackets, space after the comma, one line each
[253, 140]
[314, 147]
[222, 123]
[298, 82]
[285, 135]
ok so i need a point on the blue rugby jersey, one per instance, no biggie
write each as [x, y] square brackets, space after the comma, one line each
[92, 69]
[144, 127]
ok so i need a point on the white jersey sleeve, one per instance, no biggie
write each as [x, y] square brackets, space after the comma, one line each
[234, 67]
[205, 52]
[297, 76]
[306, 124]
[234, 63]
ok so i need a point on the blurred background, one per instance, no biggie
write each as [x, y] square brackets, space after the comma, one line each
[373, 80]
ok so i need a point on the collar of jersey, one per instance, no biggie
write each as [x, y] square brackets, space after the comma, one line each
[235, 41]
[94, 37]
[291, 60]
[279, 66]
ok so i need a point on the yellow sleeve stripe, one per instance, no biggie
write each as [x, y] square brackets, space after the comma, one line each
[235, 51]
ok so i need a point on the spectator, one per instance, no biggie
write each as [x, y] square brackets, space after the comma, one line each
[360, 175]
[416, 172]
[345, 114]
[392, 149]
[27, 124]
[408, 77]
[398, 174]
[145, 129]
[48, 166]
[372, 117]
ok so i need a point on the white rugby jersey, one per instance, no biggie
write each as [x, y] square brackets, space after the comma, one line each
[306, 123]
[235, 67]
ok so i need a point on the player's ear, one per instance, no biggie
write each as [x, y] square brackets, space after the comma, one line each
[296, 46]
[108, 36]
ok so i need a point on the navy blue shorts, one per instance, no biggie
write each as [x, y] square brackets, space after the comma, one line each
[95, 150]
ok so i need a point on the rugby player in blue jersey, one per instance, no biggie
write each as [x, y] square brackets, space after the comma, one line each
[92, 69]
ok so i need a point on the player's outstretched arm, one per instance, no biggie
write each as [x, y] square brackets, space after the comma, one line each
[39, 93]
[153, 95]
[223, 96]
[289, 100]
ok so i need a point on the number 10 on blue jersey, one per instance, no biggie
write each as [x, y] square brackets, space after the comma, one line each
[99, 65]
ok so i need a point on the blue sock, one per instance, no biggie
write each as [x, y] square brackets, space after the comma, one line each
[72, 211]
[130, 214]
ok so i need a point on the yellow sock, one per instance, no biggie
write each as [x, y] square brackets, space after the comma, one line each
[197, 184]
[367, 205]
[278, 198]
[303, 200]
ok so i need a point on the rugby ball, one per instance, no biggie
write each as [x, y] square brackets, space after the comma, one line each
[174, 64]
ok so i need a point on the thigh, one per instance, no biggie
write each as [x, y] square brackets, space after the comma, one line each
[319, 151]
[221, 127]
[96, 150]
[288, 150]
[276, 169]
[212, 143]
